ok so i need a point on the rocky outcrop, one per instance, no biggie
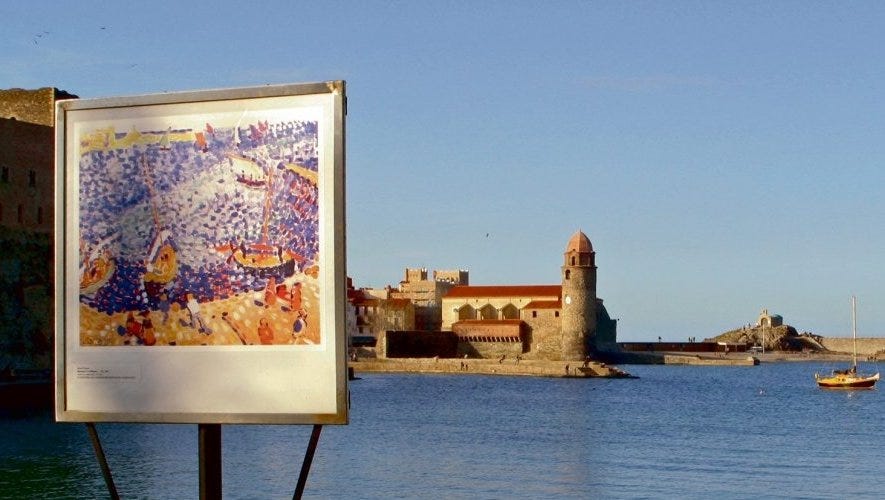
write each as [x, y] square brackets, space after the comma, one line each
[776, 338]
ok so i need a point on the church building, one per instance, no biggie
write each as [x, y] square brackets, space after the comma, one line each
[554, 322]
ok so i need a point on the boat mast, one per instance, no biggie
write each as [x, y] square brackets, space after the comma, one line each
[854, 330]
[150, 185]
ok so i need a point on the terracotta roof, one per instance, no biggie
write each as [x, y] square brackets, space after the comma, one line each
[580, 243]
[469, 291]
[544, 304]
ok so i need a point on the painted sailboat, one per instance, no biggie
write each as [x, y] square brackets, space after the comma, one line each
[200, 142]
[248, 172]
[164, 140]
[161, 265]
[848, 378]
[263, 257]
[96, 268]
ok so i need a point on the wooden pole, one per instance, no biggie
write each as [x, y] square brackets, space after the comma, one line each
[102, 461]
[210, 461]
[308, 459]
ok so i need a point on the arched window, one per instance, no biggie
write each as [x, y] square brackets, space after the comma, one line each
[510, 312]
[568, 274]
[466, 312]
[488, 311]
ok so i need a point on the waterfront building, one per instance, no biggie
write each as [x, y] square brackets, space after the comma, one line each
[556, 322]
[372, 311]
[27, 206]
[426, 294]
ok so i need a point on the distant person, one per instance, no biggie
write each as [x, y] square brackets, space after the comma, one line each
[163, 306]
[193, 307]
[265, 332]
[147, 329]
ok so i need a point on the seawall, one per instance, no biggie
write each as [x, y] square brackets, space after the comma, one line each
[865, 346]
[532, 368]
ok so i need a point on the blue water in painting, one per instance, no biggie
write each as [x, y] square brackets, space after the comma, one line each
[677, 432]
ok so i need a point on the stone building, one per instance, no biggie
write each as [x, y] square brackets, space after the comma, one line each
[426, 294]
[769, 320]
[27, 158]
[27, 204]
[559, 322]
[374, 312]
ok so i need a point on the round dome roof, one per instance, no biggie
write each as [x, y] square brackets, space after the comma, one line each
[580, 243]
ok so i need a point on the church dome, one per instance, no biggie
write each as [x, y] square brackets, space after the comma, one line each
[580, 243]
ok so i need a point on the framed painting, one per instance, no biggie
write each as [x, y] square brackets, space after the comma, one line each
[200, 257]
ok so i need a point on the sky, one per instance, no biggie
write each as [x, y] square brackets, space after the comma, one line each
[722, 157]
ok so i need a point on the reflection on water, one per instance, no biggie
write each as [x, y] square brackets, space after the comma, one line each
[689, 432]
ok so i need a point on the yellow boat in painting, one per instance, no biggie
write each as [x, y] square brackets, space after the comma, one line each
[849, 378]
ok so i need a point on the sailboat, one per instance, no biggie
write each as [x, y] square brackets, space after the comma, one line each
[263, 257]
[96, 268]
[248, 172]
[162, 262]
[848, 378]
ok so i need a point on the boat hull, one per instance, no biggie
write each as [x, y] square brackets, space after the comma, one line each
[847, 382]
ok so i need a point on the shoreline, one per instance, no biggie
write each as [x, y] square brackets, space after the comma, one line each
[579, 369]
[475, 366]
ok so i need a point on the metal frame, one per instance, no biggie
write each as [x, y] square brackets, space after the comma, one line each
[332, 255]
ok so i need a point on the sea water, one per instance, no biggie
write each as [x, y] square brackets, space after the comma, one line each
[676, 432]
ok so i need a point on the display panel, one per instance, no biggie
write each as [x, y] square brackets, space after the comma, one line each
[200, 257]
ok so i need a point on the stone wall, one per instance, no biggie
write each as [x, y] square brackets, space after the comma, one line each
[544, 335]
[489, 350]
[865, 346]
[416, 344]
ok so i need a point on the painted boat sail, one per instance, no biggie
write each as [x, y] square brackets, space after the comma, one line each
[200, 142]
[96, 268]
[848, 378]
[164, 141]
[263, 257]
[248, 172]
[161, 264]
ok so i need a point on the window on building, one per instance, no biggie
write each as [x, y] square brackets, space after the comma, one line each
[534, 314]
[39, 215]
[21, 214]
[32, 178]
[568, 274]
[4, 174]
[556, 314]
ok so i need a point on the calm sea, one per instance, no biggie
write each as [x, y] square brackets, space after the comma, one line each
[677, 432]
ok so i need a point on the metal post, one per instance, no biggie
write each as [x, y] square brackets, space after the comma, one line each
[210, 461]
[102, 461]
[308, 458]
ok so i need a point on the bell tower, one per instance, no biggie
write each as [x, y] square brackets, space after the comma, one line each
[578, 297]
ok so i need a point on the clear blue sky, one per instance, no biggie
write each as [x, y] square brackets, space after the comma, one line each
[721, 156]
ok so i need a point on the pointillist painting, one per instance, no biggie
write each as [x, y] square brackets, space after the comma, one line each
[202, 232]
